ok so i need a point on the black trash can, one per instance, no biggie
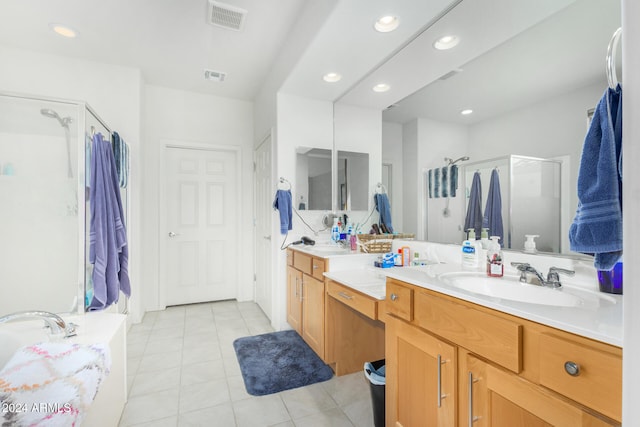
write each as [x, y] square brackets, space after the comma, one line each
[375, 373]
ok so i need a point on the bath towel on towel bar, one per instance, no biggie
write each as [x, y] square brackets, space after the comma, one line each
[474, 210]
[282, 203]
[108, 249]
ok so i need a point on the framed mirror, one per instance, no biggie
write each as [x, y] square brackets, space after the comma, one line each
[313, 178]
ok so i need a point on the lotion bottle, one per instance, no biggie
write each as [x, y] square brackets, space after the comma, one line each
[335, 231]
[471, 252]
[495, 267]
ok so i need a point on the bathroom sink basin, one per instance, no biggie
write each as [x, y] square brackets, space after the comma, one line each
[510, 288]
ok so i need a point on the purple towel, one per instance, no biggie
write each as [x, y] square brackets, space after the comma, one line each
[108, 249]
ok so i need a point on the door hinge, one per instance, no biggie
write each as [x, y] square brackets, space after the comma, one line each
[255, 166]
[255, 278]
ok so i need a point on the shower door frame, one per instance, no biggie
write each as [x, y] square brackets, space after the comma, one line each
[83, 237]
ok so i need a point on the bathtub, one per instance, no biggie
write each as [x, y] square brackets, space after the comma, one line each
[95, 327]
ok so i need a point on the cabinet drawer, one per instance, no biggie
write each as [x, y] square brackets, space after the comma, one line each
[489, 336]
[357, 301]
[317, 268]
[597, 375]
[302, 262]
[399, 300]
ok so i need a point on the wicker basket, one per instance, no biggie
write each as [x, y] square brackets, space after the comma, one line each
[379, 243]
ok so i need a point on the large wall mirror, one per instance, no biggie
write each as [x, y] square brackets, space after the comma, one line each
[530, 96]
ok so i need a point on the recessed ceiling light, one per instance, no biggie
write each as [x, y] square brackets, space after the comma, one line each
[63, 30]
[386, 24]
[466, 112]
[332, 77]
[446, 42]
[381, 87]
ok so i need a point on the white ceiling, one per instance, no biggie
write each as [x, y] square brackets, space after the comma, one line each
[169, 40]
[171, 43]
[563, 52]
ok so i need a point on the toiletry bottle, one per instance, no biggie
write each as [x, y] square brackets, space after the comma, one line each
[471, 251]
[530, 243]
[406, 256]
[353, 240]
[335, 231]
[484, 238]
[495, 267]
[398, 260]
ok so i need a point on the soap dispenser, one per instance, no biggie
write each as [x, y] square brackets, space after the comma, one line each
[335, 231]
[495, 267]
[484, 238]
[530, 243]
[471, 251]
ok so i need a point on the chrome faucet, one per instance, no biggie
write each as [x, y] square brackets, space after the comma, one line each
[530, 275]
[54, 322]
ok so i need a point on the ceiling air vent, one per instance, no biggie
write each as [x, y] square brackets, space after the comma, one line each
[226, 16]
[214, 76]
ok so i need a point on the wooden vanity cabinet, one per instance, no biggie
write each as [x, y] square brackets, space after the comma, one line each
[306, 298]
[506, 371]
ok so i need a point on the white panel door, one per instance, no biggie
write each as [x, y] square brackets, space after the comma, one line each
[263, 214]
[201, 234]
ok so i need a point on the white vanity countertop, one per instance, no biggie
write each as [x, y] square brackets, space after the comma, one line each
[601, 322]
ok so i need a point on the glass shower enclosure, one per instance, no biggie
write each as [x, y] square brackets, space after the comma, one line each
[44, 205]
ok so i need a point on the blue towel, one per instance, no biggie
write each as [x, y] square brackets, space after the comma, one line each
[597, 227]
[453, 180]
[445, 181]
[282, 203]
[436, 183]
[430, 174]
[474, 211]
[382, 205]
[108, 249]
[493, 210]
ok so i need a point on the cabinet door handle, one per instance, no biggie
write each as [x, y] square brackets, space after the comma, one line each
[440, 395]
[301, 289]
[345, 296]
[296, 291]
[472, 419]
[394, 297]
[315, 267]
[572, 368]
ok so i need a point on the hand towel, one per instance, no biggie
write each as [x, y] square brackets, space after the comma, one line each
[282, 203]
[430, 183]
[597, 227]
[384, 208]
[436, 183]
[493, 209]
[474, 211]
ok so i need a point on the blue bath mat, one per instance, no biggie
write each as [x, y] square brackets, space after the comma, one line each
[278, 361]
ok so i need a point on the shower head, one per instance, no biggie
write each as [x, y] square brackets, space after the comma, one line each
[64, 121]
[451, 161]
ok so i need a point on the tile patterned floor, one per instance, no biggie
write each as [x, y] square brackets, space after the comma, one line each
[183, 372]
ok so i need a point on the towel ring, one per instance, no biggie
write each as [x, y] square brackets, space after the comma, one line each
[381, 189]
[611, 59]
[284, 181]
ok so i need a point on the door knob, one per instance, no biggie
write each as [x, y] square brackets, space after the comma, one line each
[172, 234]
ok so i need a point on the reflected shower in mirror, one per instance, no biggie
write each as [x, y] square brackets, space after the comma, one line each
[353, 181]
[313, 178]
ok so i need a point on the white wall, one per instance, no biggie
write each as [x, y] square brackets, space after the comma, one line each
[548, 129]
[631, 191]
[392, 154]
[114, 92]
[185, 117]
[435, 141]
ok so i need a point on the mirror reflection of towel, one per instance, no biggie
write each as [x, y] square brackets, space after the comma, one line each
[493, 210]
[383, 206]
[474, 210]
